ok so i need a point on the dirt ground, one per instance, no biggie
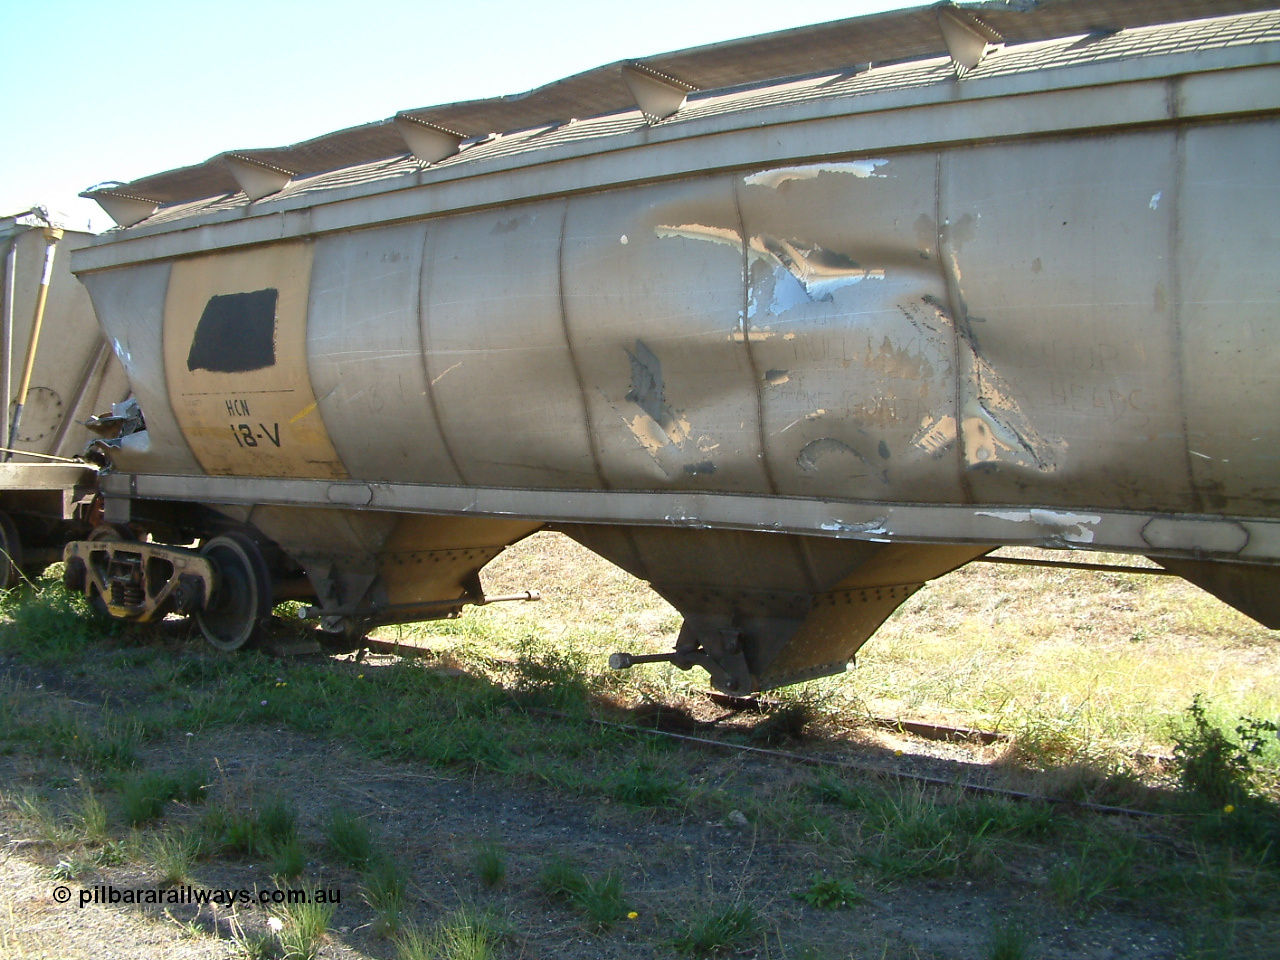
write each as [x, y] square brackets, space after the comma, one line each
[670, 860]
[678, 859]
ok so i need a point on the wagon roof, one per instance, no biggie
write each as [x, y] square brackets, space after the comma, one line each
[841, 48]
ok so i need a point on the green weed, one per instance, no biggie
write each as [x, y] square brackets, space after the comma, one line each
[288, 858]
[277, 823]
[143, 798]
[47, 625]
[835, 791]
[109, 744]
[1210, 763]
[72, 868]
[191, 784]
[830, 893]
[1095, 874]
[561, 880]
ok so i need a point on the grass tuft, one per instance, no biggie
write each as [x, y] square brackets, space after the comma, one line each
[304, 926]
[717, 930]
[601, 900]
[640, 785]
[143, 798]
[36, 812]
[277, 823]
[90, 819]
[383, 889]
[172, 853]
[288, 858]
[348, 838]
[490, 861]
[464, 935]
[1009, 941]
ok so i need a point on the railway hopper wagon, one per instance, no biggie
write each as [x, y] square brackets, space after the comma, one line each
[56, 370]
[786, 327]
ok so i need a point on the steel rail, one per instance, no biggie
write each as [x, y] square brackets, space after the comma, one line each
[786, 755]
[1077, 565]
[387, 647]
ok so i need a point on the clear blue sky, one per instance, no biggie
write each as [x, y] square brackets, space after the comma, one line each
[94, 91]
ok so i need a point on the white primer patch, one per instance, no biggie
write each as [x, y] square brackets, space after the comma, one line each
[775, 178]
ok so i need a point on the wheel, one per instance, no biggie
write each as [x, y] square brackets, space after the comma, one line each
[112, 531]
[10, 554]
[241, 604]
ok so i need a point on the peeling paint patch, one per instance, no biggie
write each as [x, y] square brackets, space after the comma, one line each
[775, 377]
[862, 169]
[804, 272]
[936, 434]
[649, 434]
[1069, 526]
[725, 236]
[867, 526]
[658, 426]
[1155, 199]
[990, 437]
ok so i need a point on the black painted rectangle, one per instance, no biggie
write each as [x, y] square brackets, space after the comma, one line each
[236, 333]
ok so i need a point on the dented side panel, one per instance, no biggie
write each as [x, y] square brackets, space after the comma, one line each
[1057, 256]
[130, 307]
[846, 313]
[654, 305]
